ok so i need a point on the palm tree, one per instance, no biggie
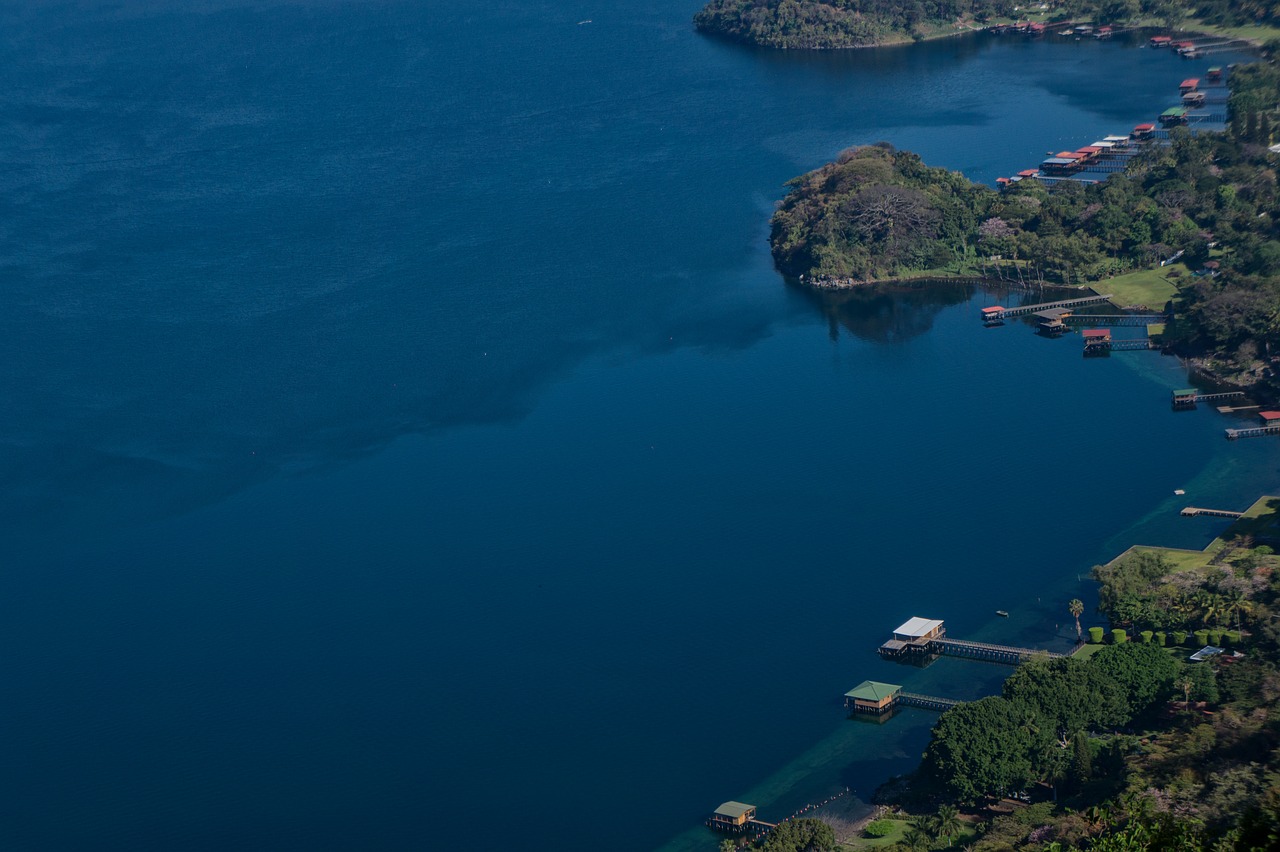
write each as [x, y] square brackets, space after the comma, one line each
[916, 840]
[948, 822]
[1076, 607]
[1185, 684]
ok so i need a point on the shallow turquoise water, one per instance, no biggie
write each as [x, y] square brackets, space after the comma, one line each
[405, 425]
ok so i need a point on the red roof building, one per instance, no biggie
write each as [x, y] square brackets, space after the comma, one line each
[1160, 41]
[1090, 150]
[1189, 84]
[1270, 418]
[1026, 173]
[1069, 155]
[1102, 334]
[986, 312]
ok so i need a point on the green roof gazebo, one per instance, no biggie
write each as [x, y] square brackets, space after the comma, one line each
[871, 697]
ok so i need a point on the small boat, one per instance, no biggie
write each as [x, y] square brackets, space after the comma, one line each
[1002, 613]
[1179, 492]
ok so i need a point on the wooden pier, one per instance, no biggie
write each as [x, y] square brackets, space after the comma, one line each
[1253, 432]
[1007, 654]
[871, 698]
[1022, 310]
[927, 702]
[1190, 396]
[922, 638]
[1196, 511]
[1114, 319]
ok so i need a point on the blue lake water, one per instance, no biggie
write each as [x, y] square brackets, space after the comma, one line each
[405, 440]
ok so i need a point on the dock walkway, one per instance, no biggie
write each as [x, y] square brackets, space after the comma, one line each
[1023, 310]
[988, 651]
[927, 702]
[1254, 432]
[1114, 319]
[1195, 511]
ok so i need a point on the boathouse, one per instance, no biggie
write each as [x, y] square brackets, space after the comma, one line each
[993, 315]
[1142, 131]
[733, 817]
[1269, 418]
[1189, 85]
[1185, 396]
[1051, 321]
[1193, 99]
[871, 697]
[1028, 173]
[1160, 41]
[1215, 73]
[1059, 165]
[1097, 341]
[1173, 116]
[1117, 141]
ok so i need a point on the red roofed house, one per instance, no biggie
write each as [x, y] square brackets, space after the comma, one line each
[1189, 84]
[1143, 131]
[1160, 41]
[1096, 340]
[1269, 418]
[1026, 173]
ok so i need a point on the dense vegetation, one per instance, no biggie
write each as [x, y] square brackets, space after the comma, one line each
[1133, 747]
[837, 23]
[1210, 200]
[858, 23]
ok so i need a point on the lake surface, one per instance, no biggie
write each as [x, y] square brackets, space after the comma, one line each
[405, 440]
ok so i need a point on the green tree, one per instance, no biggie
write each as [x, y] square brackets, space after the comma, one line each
[1144, 672]
[1076, 608]
[1081, 760]
[948, 822]
[916, 840]
[980, 749]
[800, 835]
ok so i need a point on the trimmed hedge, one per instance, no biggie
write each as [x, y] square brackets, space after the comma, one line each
[1146, 637]
[1162, 638]
[1232, 637]
[1118, 636]
[1202, 637]
[1095, 635]
[1179, 637]
[879, 828]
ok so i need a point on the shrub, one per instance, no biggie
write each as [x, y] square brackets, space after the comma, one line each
[1146, 637]
[1095, 635]
[1161, 638]
[1179, 637]
[879, 828]
[1202, 637]
[1215, 638]
[1232, 637]
[1118, 635]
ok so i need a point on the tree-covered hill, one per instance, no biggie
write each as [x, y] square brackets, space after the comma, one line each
[837, 23]
[876, 213]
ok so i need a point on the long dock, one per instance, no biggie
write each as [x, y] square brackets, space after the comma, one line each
[1023, 310]
[1196, 511]
[988, 651]
[927, 702]
[1254, 432]
[1114, 319]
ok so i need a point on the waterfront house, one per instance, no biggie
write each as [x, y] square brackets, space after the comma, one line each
[1160, 41]
[1215, 73]
[1189, 85]
[919, 630]
[871, 697]
[732, 817]
[1185, 396]
[1193, 99]
[1142, 131]
[1269, 418]
[1173, 116]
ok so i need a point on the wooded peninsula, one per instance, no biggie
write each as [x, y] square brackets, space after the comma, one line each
[879, 214]
[815, 24]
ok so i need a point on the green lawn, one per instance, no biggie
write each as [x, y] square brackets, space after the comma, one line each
[1254, 32]
[1261, 520]
[966, 835]
[1150, 287]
